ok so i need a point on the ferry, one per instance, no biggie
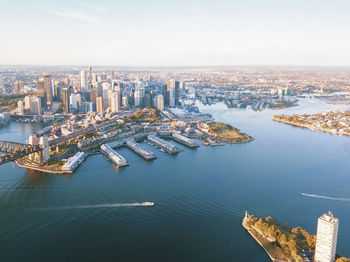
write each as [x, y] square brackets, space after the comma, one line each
[147, 204]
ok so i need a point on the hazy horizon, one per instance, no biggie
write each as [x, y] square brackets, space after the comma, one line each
[175, 34]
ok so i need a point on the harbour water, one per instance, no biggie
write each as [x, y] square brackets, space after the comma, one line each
[200, 196]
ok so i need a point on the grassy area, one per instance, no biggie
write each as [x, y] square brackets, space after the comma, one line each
[10, 101]
[145, 115]
[226, 133]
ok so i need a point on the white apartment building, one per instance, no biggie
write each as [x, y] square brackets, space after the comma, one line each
[326, 239]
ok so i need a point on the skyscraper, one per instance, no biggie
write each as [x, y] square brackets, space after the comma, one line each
[48, 88]
[83, 82]
[137, 97]
[41, 92]
[326, 239]
[99, 104]
[17, 86]
[115, 101]
[174, 92]
[90, 74]
[160, 102]
[65, 100]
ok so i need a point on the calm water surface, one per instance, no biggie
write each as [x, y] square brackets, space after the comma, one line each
[200, 196]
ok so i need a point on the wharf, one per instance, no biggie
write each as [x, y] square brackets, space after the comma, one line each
[184, 140]
[138, 149]
[165, 145]
[113, 156]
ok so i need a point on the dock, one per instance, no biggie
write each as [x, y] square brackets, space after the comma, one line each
[184, 140]
[113, 156]
[165, 145]
[138, 149]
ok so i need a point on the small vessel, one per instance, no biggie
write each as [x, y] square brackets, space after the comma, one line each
[147, 204]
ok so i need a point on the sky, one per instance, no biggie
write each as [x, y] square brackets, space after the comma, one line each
[175, 33]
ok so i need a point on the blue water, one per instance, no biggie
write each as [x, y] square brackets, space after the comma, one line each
[200, 196]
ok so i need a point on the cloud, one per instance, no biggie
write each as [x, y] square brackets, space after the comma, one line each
[94, 7]
[80, 16]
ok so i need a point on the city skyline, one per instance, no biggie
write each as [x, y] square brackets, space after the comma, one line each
[185, 33]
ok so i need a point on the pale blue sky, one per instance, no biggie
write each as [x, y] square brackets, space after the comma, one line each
[175, 33]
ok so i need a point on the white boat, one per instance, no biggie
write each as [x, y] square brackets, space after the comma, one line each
[147, 204]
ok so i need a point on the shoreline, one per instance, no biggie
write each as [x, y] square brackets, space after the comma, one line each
[307, 126]
[259, 239]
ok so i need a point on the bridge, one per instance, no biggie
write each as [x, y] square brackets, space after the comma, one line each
[11, 151]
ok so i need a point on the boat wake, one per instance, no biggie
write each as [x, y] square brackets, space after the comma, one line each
[107, 205]
[326, 197]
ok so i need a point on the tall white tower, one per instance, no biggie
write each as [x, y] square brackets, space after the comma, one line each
[326, 240]
[115, 102]
[160, 102]
[83, 81]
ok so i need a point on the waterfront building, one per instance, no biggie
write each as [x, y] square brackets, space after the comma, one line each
[184, 140]
[168, 147]
[35, 105]
[74, 161]
[116, 158]
[160, 102]
[326, 239]
[99, 105]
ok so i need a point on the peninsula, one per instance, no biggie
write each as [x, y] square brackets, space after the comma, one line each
[282, 243]
[334, 122]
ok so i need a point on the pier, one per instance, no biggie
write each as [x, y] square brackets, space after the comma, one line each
[184, 140]
[165, 145]
[138, 149]
[115, 158]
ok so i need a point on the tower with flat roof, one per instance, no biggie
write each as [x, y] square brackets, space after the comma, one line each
[326, 239]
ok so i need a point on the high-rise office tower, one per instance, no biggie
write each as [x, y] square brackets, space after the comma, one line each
[160, 102]
[17, 86]
[65, 100]
[90, 74]
[35, 105]
[99, 104]
[48, 88]
[83, 82]
[125, 101]
[137, 97]
[93, 95]
[326, 239]
[41, 92]
[115, 101]
[173, 87]
[20, 107]
[148, 100]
